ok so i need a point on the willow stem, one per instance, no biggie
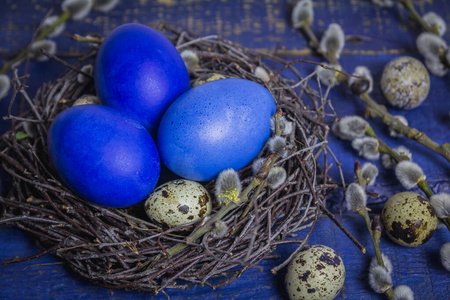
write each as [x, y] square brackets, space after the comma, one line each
[383, 147]
[362, 211]
[44, 33]
[313, 41]
[414, 15]
[423, 185]
[376, 245]
[379, 111]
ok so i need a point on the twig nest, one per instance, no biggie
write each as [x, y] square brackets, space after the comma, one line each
[405, 82]
[315, 273]
[409, 219]
[178, 202]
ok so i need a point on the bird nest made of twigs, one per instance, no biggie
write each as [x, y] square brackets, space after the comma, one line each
[122, 248]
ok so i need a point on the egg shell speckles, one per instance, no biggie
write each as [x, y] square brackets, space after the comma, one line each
[215, 126]
[409, 219]
[405, 82]
[178, 202]
[317, 272]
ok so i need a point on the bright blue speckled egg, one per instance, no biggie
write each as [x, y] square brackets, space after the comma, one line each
[217, 125]
[139, 72]
[103, 156]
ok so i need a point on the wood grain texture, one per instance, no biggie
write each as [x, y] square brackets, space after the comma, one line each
[262, 24]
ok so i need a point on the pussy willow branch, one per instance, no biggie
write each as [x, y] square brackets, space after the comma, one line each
[414, 15]
[384, 148]
[374, 231]
[42, 35]
[376, 110]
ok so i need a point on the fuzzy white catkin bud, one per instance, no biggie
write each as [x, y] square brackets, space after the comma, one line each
[302, 14]
[441, 204]
[88, 69]
[355, 197]
[276, 177]
[362, 71]
[228, 186]
[435, 21]
[350, 128]
[257, 165]
[409, 174]
[369, 172]
[47, 45]
[403, 292]
[49, 22]
[219, 229]
[445, 256]
[430, 44]
[389, 163]
[190, 59]
[402, 120]
[285, 125]
[367, 147]
[105, 5]
[262, 74]
[277, 145]
[78, 9]
[435, 66]
[386, 261]
[5, 85]
[383, 3]
[326, 76]
[333, 41]
[379, 279]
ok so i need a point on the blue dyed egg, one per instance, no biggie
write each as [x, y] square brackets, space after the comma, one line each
[139, 72]
[103, 156]
[214, 126]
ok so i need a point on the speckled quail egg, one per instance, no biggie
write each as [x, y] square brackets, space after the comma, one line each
[409, 219]
[405, 82]
[317, 272]
[178, 202]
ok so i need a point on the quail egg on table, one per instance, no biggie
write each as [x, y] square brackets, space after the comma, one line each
[405, 82]
[317, 272]
[409, 219]
[178, 202]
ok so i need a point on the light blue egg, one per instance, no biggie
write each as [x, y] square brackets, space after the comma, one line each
[217, 125]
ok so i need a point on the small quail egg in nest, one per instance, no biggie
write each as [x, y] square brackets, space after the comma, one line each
[317, 272]
[178, 202]
[409, 219]
[405, 82]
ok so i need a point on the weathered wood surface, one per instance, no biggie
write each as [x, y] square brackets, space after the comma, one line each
[386, 33]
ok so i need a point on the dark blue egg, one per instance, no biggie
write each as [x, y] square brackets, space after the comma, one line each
[214, 126]
[139, 72]
[103, 156]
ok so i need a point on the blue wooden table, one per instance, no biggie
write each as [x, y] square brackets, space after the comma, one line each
[386, 33]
